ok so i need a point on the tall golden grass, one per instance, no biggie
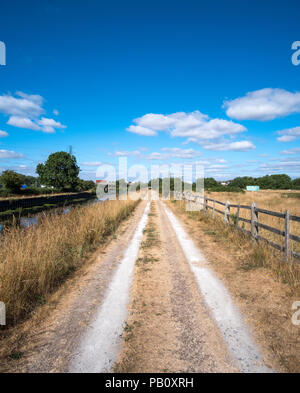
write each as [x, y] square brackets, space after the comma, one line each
[34, 261]
[274, 200]
[252, 254]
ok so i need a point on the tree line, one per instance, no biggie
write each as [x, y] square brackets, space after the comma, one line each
[60, 173]
[268, 182]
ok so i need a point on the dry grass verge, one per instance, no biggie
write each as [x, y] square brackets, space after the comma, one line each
[262, 284]
[274, 200]
[34, 261]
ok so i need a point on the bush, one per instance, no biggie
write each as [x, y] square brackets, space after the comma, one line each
[4, 193]
[12, 181]
[229, 188]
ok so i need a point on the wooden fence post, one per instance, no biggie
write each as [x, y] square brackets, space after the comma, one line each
[205, 205]
[237, 216]
[287, 236]
[254, 220]
[213, 209]
[227, 212]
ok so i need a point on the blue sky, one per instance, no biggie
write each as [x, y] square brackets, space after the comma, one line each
[157, 81]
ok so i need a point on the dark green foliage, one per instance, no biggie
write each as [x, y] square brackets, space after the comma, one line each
[275, 182]
[60, 171]
[242, 182]
[31, 182]
[228, 188]
[12, 181]
[268, 182]
[85, 185]
[210, 182]
[296, 184]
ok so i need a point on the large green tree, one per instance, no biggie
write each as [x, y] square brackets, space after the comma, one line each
[59, 171]
[12, 181]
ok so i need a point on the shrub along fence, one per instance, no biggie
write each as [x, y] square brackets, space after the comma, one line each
[213, 205]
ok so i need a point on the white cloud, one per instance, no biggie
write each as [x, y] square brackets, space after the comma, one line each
[22, 122]
[44, 124]
[157, 156]
[25, 105]
[282, 166]
[24, 111]
[289, 134]
[3, 134]
[291, 151]
[169, 152]
[10, 154]
[264, 104]
[126, 153]
[55, 112]
[155, 121]
[176, 152]
[195, 125]
[230, 146]
[141, 131]
[93, 163]
[216, 166]
[49, 125]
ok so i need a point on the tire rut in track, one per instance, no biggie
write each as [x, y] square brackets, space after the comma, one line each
[169, 328]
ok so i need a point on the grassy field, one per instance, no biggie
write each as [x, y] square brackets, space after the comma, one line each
[275, 200]
[34, 261]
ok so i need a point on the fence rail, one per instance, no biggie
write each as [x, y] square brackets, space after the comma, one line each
[253, 221]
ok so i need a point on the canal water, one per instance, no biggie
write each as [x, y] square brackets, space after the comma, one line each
[27, 222]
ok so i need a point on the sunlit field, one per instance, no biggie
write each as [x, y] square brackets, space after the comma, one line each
[274, 200]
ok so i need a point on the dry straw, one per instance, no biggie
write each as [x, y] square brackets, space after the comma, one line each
[34, 261]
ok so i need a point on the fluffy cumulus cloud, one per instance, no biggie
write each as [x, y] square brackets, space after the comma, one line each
[10, 154]
[49, 125]
[22, 122]
[22, 105]
[195, 127]
[264, 104]
[3, 134]
[25, 110]
[289, 134]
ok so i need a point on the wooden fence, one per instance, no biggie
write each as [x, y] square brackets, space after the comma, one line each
[235, 220]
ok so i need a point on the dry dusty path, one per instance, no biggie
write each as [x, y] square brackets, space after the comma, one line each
[181, 317]
[150, 303]
[52, 345]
